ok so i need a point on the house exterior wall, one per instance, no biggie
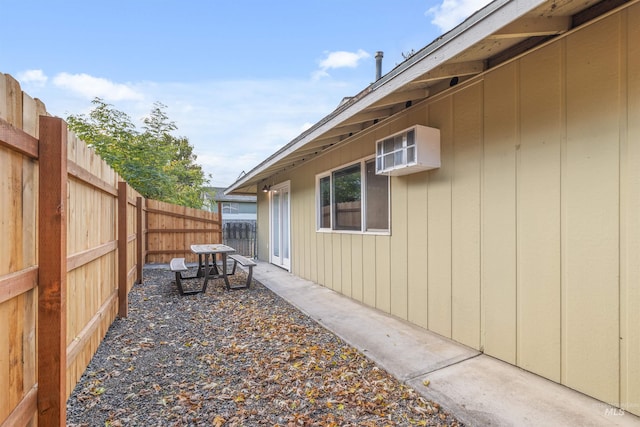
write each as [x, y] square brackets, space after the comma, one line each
[262, 228]
[525, 243]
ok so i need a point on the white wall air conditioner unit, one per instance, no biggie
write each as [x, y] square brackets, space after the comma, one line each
[412, 150]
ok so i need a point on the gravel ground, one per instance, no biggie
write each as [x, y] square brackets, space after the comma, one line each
[239, 358]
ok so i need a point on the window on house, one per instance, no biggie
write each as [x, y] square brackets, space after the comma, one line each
[247, 208]
[346, 190]
[229, 208]
[377, 195]
[353, 198]
[325, 202]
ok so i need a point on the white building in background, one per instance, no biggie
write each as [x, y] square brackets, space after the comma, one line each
[234, 207]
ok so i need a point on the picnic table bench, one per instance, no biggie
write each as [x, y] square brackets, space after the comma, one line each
[178, 265]
[245, 262]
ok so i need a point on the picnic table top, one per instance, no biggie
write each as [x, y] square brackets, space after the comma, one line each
[211, 249]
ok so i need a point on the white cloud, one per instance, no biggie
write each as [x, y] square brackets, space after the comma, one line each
[35, 77]
[233, 125]
[318, 74]
[450, 13]
[342, 59]
[91, 87]
[338, 59]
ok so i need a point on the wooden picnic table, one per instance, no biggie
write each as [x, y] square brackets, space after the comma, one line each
[205, 269]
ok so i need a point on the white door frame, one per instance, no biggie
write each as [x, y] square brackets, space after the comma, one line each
[280, 237]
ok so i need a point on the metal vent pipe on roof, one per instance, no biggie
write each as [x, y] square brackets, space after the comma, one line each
[379, 56]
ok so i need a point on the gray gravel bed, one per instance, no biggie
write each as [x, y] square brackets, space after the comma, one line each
[234, 358]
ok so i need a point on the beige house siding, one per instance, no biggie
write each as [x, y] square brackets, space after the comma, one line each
[630, 217]
[525, 243]
[538, 230]
[590, 212]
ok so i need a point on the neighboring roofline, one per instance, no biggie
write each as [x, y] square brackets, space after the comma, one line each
[478, 26]
[220, 196]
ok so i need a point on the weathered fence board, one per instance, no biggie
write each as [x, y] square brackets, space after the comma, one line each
[173, 229]
[91, 255]
[74, 243]
[76, 269]
[18, 254]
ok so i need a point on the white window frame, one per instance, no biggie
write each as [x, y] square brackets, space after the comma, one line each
[363, 195]
[230, 208]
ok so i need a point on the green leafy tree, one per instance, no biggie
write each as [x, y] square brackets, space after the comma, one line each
[187, 177]
[157, 164]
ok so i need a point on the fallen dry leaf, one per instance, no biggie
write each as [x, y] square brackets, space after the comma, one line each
[232, 359]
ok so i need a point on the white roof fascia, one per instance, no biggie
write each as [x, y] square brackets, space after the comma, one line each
[478, 26]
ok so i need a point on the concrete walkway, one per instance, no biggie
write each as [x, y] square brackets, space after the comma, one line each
[479, 390]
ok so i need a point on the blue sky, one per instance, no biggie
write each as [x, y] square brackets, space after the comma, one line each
[239, 78]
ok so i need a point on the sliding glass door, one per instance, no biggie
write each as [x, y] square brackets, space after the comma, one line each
[279, 210]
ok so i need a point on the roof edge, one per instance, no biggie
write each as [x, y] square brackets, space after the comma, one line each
[385, 85]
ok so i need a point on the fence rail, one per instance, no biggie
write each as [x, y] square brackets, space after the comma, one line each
[173, 229]
[74, 240]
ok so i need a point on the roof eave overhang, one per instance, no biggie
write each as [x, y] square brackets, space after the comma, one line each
[477, 27]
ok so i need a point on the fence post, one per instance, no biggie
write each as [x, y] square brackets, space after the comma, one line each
[123, 303]
[220, 222]
[254, 234]
[52, 273]
[139, 236]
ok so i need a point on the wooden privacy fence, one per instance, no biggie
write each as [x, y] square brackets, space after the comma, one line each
[347, 215]
[173, 229]
[72, 244]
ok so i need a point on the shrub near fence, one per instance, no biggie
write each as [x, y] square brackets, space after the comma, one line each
[72, 244]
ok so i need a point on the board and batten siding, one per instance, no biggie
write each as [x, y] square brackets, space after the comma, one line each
[630, 217]
[525, 243]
